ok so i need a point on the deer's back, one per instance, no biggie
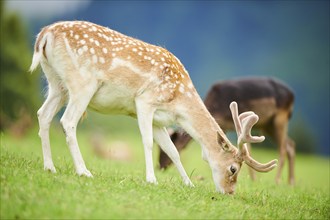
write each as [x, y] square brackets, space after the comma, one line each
[265, 96]
[78, 52]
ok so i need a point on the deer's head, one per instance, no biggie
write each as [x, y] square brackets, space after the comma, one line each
[229, 160]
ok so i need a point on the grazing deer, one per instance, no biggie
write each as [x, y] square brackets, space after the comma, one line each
[270, 99]
[88, 65]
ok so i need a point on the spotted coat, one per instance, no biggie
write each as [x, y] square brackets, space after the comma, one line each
[100, 46]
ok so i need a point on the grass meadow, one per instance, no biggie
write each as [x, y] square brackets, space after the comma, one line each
[118, 189]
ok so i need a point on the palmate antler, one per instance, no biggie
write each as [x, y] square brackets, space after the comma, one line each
[243, 124]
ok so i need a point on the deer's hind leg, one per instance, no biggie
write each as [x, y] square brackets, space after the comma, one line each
[53, 103]
[280, 136]
[252, 173]
[291, 150]
[79, 93]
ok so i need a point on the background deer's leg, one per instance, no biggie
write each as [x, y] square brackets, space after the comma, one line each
[46, 113]
[78, 102]
[164, 160]
[163, 139]
[291, 150]
[145, 117]
[280, 134]
[252, 173]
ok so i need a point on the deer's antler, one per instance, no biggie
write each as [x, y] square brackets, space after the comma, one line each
[243, 124]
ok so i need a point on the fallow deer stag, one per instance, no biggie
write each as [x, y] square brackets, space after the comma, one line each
[88, 65]
[269, 98]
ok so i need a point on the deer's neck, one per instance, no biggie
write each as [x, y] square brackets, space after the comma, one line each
[200, 124]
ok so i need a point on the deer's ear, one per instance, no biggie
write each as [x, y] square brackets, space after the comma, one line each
[221, 141]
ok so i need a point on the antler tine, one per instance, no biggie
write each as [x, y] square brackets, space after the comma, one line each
[243, 124]
[234, 112]
[247, 123]
[255, 164]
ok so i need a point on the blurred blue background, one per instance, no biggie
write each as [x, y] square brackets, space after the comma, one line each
[218, 40]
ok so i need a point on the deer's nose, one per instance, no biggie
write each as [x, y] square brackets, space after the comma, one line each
[230, 192]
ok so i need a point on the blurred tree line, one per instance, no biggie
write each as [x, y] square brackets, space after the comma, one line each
[18, 88]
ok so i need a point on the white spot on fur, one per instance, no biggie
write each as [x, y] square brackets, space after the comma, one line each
[80, 51]
[102, 60]
[94, 59]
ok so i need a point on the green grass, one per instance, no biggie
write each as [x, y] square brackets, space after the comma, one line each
[119, 190]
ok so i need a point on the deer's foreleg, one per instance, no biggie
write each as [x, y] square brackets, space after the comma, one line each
[163, 139]
[145, 117]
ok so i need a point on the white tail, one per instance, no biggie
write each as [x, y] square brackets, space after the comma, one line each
[88, 65]
[38, 51]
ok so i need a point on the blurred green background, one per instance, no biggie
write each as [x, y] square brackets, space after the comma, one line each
[215, 40]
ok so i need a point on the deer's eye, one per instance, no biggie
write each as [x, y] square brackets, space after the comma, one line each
[233, 169]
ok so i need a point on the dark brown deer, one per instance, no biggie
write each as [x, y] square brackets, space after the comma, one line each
[269, 98]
